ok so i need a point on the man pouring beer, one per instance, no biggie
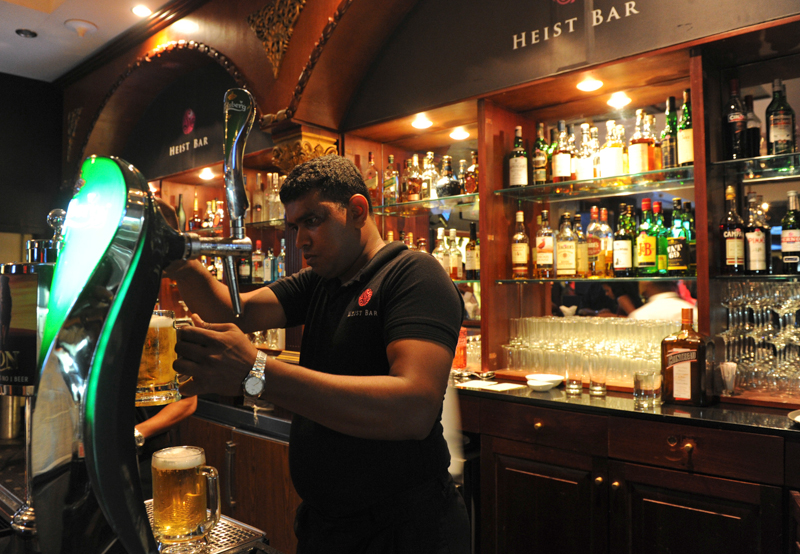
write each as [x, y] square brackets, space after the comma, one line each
[366, 450]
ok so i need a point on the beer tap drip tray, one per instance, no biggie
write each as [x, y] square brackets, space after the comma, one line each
[229, 536]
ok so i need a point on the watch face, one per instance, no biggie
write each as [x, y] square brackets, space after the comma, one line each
[253, 386]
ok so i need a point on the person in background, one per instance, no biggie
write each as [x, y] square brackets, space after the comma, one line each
[663, 301]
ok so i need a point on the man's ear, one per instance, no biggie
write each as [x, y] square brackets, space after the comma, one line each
[359, 209]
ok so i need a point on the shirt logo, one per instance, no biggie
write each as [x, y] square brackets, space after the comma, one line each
[365, 297]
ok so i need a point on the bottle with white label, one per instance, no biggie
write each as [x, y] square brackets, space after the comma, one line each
[566, 248]
[520, 246]
[545, 257]
[456, 259]
[687, 365]
[790, 236]
[685, 132]
[623, 246]
[582, 248]
[780, 122]
[562, 157]
[757, 241]
[440, 250]
[595, 244]
[518, 162]
[731, 230]
[585, 160]
[642, 147]
[612, 161]
[258, 265]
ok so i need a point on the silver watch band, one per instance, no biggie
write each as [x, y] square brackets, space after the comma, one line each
[259, 364]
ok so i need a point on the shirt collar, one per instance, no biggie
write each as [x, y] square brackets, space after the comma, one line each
[381, 258]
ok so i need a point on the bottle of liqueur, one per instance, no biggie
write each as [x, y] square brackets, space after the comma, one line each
[685, 133]
[539, 156]
[472, 255]
[669, 136]
[731, 230]
[585, 164]
[687, 365]
[471, 176]
[581, 248]
[562, 157]
[414, 181]
[608, 242]
[520, 246]
[623, 246]
[650, 132]
[566, 248]
[441, 251]
[429, 178]
[518, 162]
[677, 247]
[757, 239]
[752, 138]
[660, 231]
[646, 263]
[691, 236]
[545, 256]
[595, 245]
[373, 182]
[780, 123]
[456, 269]
[790, 236]
[611, 155]
[257, 259]
[642, 147]
[448, 184]
[734, 120]
[391, 182]
[573, 152]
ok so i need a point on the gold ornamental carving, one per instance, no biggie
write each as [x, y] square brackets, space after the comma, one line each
[273, 25]
[290, 153]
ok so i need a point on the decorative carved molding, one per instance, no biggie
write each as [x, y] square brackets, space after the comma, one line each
[273, 25]
[271, 119]
[298, 149]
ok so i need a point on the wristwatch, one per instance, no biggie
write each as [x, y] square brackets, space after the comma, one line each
[254, 384]
[138, 437]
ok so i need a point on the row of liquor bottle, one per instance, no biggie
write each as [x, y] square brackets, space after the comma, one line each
[742, 136]
[460, 265]
[420, 183]
[647, 248]
[212, 218]
[264, 199]
[563, 160]
[260, 268]
[746, 248]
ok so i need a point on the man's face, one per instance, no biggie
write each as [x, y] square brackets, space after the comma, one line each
[326, 235]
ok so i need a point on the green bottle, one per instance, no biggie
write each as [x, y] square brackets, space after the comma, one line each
[691, 237]
[780, 122]
[677, 247]
[685, 132]
[623, 246]
[669, 136]
[646, 262]
[660, 232]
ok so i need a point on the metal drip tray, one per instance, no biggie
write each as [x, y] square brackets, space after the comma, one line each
[228, 536]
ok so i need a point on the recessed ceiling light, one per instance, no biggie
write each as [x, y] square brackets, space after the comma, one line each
[141, 10]
[26, 33]
[459, 133]
[619, 100]
[589, 84]
[206, 174]
[185, 26]
[80, 26]
[421, 122]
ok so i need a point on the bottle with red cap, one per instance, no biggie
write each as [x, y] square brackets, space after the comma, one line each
[257, 274]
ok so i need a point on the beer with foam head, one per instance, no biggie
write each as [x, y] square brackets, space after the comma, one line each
[157, 382]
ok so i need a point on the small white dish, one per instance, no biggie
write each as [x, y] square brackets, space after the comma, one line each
[548, 377]
[541, 386]
[795, 416]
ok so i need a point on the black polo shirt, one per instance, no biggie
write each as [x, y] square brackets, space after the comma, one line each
[398, 294]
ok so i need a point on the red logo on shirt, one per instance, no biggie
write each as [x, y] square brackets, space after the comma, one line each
[364, 298]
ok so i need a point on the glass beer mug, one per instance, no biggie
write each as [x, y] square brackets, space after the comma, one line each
[158, 383]
[186, 501]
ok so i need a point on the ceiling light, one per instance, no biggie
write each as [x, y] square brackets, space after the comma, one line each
[80, 26]
[26, 33]
[459, 133]
[619, 100]
[421, 122]
[206, 174]
[589, 84]
[141, 10]
[186, 26]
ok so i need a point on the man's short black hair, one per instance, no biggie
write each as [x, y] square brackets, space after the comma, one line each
[336, 178]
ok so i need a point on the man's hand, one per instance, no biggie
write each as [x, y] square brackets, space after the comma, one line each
[169, 213]
[217, 357]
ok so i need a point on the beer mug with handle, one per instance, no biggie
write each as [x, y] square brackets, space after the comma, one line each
[186, 500]
[157, 382]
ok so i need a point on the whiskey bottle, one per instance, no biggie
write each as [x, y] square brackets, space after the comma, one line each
[545, 256]
[608, 243]
[581, 248]
[562, 158]
[518, 162]
[197, 220]
[456, 268]
[595, 245]
[447, 184]
[408, 239]
[731, 230]
[649, 131]
[620, 134]
[752, 139]
[245, 270]
[734, 125]
[585, 163]
[471, 176]
[623, 247]
[790, 236]
[472, 255]
[646, 263]
[669, 136]
[573, 152]
[611, 154]
[440, 250]
[691, 236]
[181, 215]
[462, 176]
[677, 247]
[422, 245]
[414, 181]
[780, 122]
[402, 193]
[257, 260]
[551, 147]
[687, 364]
[685, 132]
[757, 245]
[660, 232]
[566, 248]
[429, 178]
[641, 149]
[373, 182]
[539, 157]
[391, 184]
[520, 246]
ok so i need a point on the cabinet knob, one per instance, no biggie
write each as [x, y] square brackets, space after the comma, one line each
[598, 481]
[688, 447]
[537, 425]
[615, 485]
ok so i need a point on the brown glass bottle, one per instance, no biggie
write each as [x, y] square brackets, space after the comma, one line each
[687, 363]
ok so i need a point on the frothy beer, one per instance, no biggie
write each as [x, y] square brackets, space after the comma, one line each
[179, 494]
[157, 380]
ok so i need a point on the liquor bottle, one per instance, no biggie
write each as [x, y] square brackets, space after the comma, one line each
[566, 248]
[447, 184]
[257, 260]
[181, 215]
[261, 207]
[581, 248]
[245, 270]
[734, 121]
[649, 131]
[220, 268]
[608, 243]
[585, 164]
[279, 267]
[757, 239]
[389, 236]
[691, 236]
[518, 162]
[551, 147]
[762, 221]
[197, 220]
[731, 230]
[611, 154]
[539, 157]
[677, 247]
[219, 214]
[660, 231]
[595, 245]
[646, 263]
[408, 240]
[544, 246]
[685, 132]
[440, 250]
[573, 152]
[562, 158]
[456, 268]
[752, 137]
[669, 136]
[429, 178]
[780, 123]
[472, 254]
[402, 195]
[208, 219]
[623, 247]
[641, 149]
[391, 182]
[269, 266]
[620, 134]
[790, 236]
[462, 176]
[471, 177]
[414, 180]
[687, 365]
[520, 246]
[372, 180]
[422, 245]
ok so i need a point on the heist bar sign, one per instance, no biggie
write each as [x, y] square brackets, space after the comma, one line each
[567, 26]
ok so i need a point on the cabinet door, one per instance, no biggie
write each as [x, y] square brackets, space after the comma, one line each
[212, 438]
[662, 511]
[541, 500]
[263, 492]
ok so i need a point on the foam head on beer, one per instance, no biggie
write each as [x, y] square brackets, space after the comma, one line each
[160, 321]
[178, 457]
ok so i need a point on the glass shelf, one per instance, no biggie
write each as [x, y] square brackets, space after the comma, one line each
[591, 280]
[462, 202]
[765, 169]
[466, 282]
[782, 277]
[272, 223]
[621, 185]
